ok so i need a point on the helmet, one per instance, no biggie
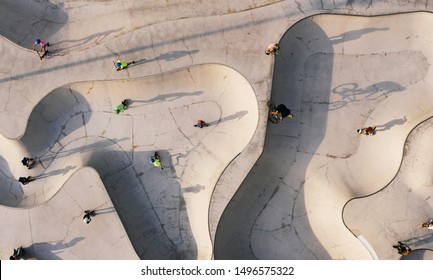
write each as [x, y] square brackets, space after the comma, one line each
[118, 64]
[152, 160]
[38, 41]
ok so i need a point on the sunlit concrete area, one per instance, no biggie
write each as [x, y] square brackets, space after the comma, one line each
[309, 188]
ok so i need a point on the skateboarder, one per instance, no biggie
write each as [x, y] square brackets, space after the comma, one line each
[367, 131]
[42, 51]
[121, 107]
[18, 254]
[428, 224]
[201, 124]
[283, 112]
[29, 162]
[403, 249]
[121, 64]
[26, 180]
[272, 48]
[42, 45]
[156, 161]
[87, 216]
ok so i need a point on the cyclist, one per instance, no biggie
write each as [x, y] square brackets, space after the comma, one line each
[283, 112]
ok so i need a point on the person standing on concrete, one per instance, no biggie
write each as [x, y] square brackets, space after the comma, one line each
[121, 64]
[41, 44]
[29, 162]
[121, 107]
[428, 224]
[403, 249]
[370, 131]
[18, 254]
[272, 49]
[283, 112]
[201, 124]
[156, 161]
[88, 214]
[25, 180]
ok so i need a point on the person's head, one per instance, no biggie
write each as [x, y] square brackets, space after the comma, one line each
[118, 64]
[152, 160]
[267, 52]
[38, 41]
[117, 111]
[290, 116]
[86, 219]
[359, 131]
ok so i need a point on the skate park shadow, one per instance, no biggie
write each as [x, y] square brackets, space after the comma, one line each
[11, 191]
[49, 251]
[235, 116]
[25, 21]
[164, 97]
[390, 124]
[351, 92]
[353, 35]
[237, 236]
[149, 203]
[60, 47]
[419, 254]
[61, 109]
[168, 56]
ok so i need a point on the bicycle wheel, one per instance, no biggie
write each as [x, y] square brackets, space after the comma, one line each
[274, 119]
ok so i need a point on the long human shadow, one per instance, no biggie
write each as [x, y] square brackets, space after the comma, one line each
[22, 20]
[168, 56]
[390, 124]
[164, 97]
[49, 250]
[353, 35]
[268, 178]
[235, 116]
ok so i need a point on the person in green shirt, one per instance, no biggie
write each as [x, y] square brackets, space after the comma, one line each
[156, 161]
[121, 64]
[121, 107]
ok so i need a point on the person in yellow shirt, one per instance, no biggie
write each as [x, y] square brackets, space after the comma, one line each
[156, 161]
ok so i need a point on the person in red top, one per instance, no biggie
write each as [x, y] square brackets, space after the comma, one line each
[201, 124]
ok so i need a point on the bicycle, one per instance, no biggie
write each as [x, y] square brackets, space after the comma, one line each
[273, 115]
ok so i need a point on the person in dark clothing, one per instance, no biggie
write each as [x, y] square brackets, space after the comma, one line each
[25, 180]
[29, 162]
[283, 112]
[87, 216]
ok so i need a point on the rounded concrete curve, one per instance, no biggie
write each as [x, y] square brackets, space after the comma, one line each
[345, 73]
[75, 126]
[407, 200]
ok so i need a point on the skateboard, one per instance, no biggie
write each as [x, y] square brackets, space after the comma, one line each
[45, 53]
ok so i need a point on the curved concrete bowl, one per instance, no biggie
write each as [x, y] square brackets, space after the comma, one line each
[75, 126]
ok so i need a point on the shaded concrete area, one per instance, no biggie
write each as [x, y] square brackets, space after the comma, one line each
[347, 75]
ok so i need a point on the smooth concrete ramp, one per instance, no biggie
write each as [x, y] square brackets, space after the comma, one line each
[162, 210]
[337, 74]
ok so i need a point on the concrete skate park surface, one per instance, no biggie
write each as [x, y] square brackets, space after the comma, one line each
[304, 198]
